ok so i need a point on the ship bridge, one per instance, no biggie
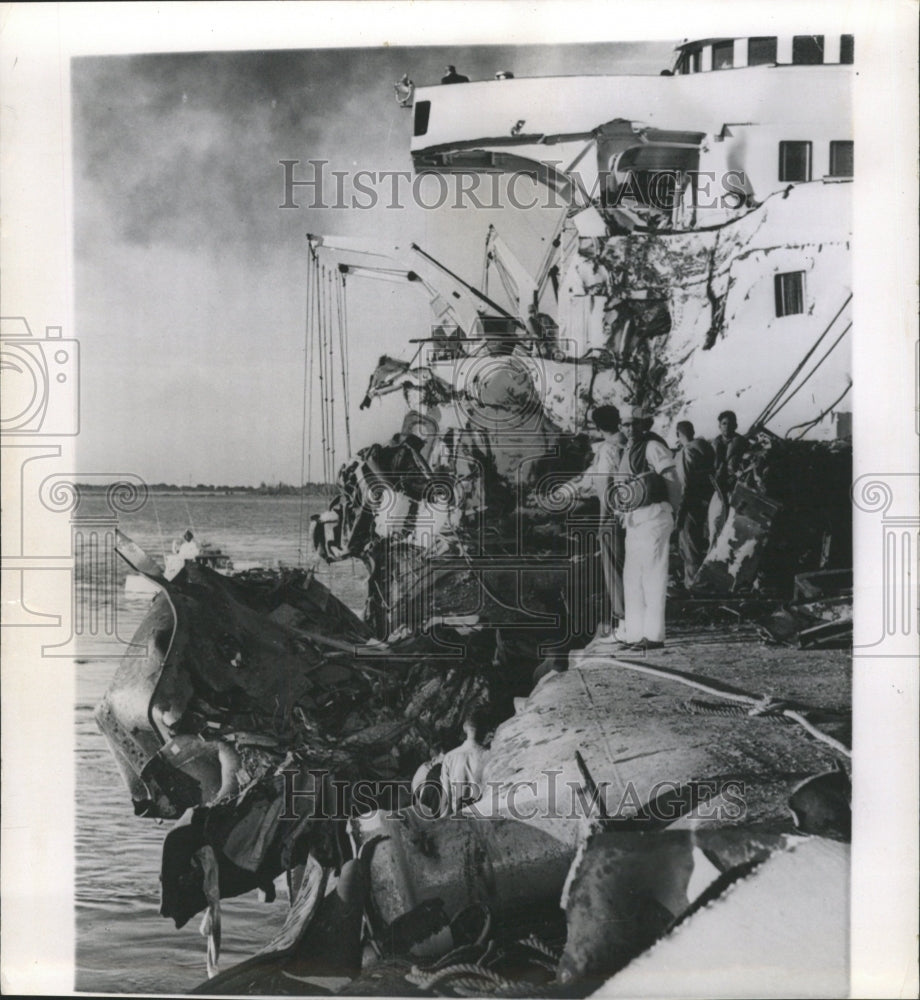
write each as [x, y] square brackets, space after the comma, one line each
[706, 54]
[693, 117]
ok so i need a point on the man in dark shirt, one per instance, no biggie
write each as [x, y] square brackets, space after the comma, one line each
[695, 468]
[729, 448]
[598, 479]
[452, 76]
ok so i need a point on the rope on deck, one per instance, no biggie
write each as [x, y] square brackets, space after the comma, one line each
[759, 705]
[450, 976]
[696, 707]
[468, 970]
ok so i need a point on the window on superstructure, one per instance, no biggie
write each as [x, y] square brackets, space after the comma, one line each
[761, 51]
[689, 61]
[723, 55]
[795, 161]
[846, 49]
[841, 159]
[422, 114]
[789, 291]
[696, 60]
[807, 50]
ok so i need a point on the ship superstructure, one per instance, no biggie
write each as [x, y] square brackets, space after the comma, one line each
[698, 260]
[705, 246]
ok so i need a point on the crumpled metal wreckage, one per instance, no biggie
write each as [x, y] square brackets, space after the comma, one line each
[241, 682]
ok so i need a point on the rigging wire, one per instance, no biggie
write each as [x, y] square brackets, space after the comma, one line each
[330, 383]
[311, 368]
[804, 381]
[322, 381]
[484, 282]
[343, 355]
[769, 409]
[303, 423]
[508, 282]
[188, 510]
[553, 244]
[156, 514]
[806, 427]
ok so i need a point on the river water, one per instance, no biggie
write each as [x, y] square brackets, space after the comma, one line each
[123, 945]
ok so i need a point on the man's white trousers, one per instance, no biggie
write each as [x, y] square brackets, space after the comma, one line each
[645, 574]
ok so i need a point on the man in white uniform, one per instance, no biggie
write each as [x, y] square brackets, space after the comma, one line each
[184, 550]
[462, 767]
[650, 495]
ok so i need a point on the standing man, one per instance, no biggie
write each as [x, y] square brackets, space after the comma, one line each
[452, 76]
[649, 498]
[695, 469]
[598, 479]
[729, 449]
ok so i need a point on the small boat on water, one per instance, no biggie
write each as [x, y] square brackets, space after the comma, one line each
[188, 549]
[216, 559]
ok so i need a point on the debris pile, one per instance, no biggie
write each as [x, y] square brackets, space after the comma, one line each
[789, 513]
[282, 731]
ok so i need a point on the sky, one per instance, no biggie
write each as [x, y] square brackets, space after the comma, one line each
[189, 279]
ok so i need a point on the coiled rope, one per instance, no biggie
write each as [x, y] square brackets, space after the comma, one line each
[467, 978]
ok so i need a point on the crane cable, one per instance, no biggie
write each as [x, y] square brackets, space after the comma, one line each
[327, 349]
[306, 420]
[330, 371]
[325, 309]
[320, 347]
[343, 354]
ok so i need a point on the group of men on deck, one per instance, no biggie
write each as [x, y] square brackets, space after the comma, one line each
[646, 490]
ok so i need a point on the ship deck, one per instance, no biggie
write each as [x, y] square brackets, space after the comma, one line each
[707, 710]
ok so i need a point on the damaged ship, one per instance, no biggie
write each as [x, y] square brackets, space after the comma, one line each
[699, 258]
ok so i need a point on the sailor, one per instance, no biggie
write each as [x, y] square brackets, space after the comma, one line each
[405, 91]
[462, 768]
[188, 548]
[452, 76]
[695, 468]
[649, 498]
[598, 479]
[729, 449]
[185, 549]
